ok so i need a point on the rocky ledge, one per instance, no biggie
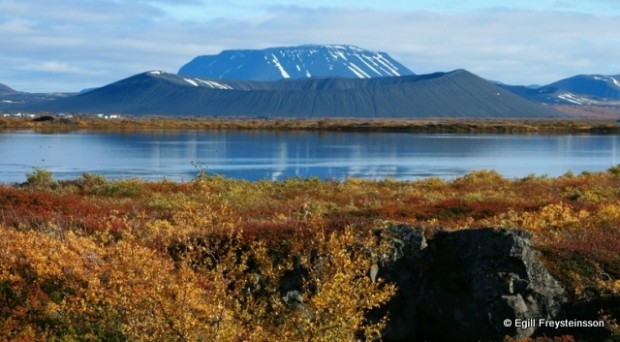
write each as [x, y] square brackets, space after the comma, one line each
[466, 285]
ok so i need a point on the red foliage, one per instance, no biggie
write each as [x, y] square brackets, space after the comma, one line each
[168, 187]
[35, 209]
[274, 231]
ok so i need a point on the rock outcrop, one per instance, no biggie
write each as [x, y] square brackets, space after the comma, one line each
[464, 285]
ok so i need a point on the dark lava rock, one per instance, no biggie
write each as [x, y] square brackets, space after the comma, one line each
[45, 118]
[463, 285]
[403, 270]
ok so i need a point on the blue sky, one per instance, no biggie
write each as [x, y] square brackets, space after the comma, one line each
[68, 45]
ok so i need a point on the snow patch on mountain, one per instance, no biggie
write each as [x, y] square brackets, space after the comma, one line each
[391, 67]
[192, 82]
[575, 99]
[359, 72]
[279, 66]
[215, 85]
[297, 62]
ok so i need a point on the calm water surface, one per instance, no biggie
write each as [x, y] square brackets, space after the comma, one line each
[278, 155]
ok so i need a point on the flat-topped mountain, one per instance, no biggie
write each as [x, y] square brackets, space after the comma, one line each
[296, 62]
[453, 94]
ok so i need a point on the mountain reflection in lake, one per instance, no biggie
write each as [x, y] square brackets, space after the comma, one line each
[256, 155]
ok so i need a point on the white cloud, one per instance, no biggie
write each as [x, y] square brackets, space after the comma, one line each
[87, 44]
[55, 67]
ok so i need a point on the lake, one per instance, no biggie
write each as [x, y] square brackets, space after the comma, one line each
[271, 155]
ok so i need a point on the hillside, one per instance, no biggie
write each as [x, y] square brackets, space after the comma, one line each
[580, 90]
[598, 86]
[297, 62]
[454, 94]
[6, 90]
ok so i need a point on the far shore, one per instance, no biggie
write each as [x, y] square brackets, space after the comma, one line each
[44, 122]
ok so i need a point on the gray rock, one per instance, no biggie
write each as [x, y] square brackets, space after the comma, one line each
[463, 285]
[402, 268]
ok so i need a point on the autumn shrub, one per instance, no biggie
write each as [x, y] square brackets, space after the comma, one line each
[614, 170]
[221, 289]
[337, 291]
[166, 186]
[90, 182]
[40, 180]
[165, 206]
[120, 188]
[41, 210]
[481, 179]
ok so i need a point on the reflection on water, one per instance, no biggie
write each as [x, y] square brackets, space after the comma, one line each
[277, 155]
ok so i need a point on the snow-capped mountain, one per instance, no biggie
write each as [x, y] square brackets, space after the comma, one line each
[599, 86]
[580, 90]
[550, 95]
[297, 62]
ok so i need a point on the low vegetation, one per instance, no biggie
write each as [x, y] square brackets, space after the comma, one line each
[579, 125]
[94, 259]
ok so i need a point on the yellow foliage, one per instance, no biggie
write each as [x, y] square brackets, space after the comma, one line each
[548, 222]
[213, 290]
[610, 286]
[337, 291]
[608, 216]
[557, 216]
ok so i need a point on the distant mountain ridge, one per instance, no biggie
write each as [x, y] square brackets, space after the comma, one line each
[599, 86]
[454, 94]
[576, 90]
[4, 89]
[295, 62]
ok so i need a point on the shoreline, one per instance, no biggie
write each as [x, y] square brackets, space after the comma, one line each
[471, 126]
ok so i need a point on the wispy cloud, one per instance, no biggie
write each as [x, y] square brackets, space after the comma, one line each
[91, 43]
[54, 67]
